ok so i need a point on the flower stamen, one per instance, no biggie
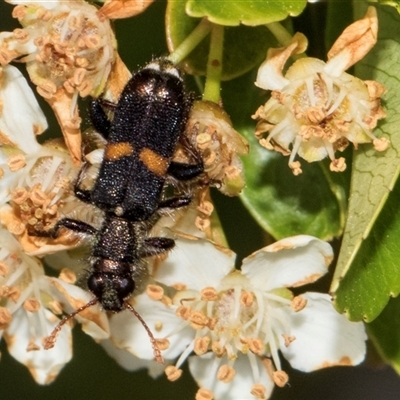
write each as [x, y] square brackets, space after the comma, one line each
[298, 303]
[258, 390]
[226, 373]
[204, 394]
[173, 373]
[201, 345]
[280, 378]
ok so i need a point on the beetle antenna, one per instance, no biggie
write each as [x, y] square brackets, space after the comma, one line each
[156, 350]
[49, 341]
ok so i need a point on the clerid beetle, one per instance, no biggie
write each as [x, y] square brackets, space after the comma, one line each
[141, 137]
[147, 123]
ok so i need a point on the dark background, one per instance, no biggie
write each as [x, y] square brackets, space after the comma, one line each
[92, 374]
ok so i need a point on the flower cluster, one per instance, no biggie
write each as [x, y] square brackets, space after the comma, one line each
[35, 192]
[36, 179]
[316, 108]
[219, 145]
[236, 321]
[69, 51]
[231, 325]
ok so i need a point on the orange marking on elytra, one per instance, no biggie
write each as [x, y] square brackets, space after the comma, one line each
[154, 162]
[114, 151]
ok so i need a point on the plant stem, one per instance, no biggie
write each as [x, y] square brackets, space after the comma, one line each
[214, 65]
[187, 46]
[280, 32]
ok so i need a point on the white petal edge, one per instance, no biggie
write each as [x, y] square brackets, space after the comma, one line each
[19, 100]
[46, 4]
[95, 157]
[131, 363]
[195, 263]
[44, 365]
[128, 333]
[204, 371]
[290, 262]
[270, 73]
[324, 337]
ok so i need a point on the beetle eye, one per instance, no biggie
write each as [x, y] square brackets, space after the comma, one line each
[124, 287]
[96, 285]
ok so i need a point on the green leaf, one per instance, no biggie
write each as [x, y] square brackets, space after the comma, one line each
[287, 205]
[384, 333]
[339, 16]
[374, 176]
[374, 275]
[283, 204]
[395, 3]
[244, 47]
[249, 12]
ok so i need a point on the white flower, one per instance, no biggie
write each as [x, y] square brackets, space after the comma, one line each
[131, 363]
[236, 322]
[126, 331]
[35, 180]
[27, 312]
[316, 108]
[210, 129]
[17, 99]
[35, 191]
[69, 50]
[29, 303]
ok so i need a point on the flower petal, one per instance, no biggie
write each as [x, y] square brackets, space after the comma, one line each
[74, 259]
[18, 99]
[269, 76]
[44, 365]
[94, 321]
[46, 4]
[195, 264]
[131, 363]
[114, 9]
[290, 262]
[95, 157]
[323, 336]
[128, 333]
[313, 149]
[14, 47]
[211, 130]
[353, 44]
[204, 371]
